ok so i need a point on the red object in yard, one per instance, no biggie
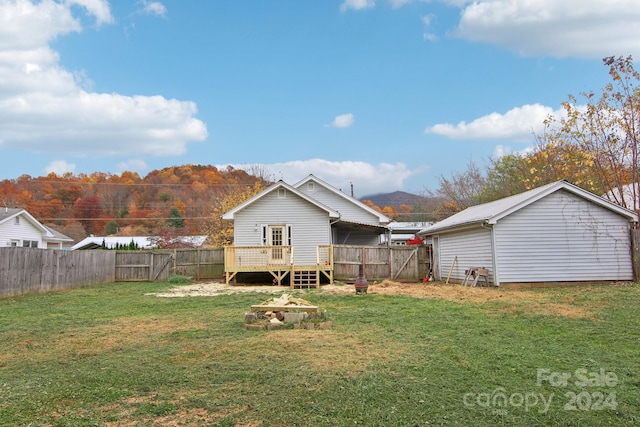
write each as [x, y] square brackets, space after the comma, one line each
[415, 241]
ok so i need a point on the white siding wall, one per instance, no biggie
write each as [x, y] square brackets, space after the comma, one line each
[20, 232]
[349, 211]
[472, 247]
[563, 238]
[310, 224]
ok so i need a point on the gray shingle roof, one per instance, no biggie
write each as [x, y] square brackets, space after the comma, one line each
[491, 212]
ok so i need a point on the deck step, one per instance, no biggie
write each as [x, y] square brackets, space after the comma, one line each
[305, 278]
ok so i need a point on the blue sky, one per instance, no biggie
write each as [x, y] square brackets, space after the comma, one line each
[385, 94]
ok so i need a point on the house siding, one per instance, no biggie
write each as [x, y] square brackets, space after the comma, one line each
[349, 211]
[309, 224]
[472, 248]
[563, 237]
[19, 232]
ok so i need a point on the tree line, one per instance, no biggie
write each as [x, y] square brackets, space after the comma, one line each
[176, 200]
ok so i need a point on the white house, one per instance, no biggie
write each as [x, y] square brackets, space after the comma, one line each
[289, 227]
[554, 233]
[142, 242]
[19, 228]
[402, 233]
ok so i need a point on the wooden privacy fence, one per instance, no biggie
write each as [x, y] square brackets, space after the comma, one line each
[29, 270]
[401, 263]
[159, 265]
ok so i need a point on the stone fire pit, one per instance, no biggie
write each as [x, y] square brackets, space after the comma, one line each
[286, 312]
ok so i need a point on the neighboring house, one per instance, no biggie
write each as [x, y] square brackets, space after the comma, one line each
[554, 233]
[20, 229]
[627, 196]
[404, 232]
[288, 228]
[142, 242]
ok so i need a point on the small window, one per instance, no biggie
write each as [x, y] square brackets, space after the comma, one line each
[282, 193]
[29, 243]
[16, 220]
[311, 186]
[14, 243]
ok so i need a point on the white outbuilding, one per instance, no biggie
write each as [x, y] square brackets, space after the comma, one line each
[557, 233]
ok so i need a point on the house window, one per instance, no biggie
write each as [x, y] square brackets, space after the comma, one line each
[14, 243]
[311, 186]
[16, 220]
[29, 243]
[282, 193]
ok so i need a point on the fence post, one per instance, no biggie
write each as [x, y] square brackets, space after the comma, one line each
[635, 253]
[151, 267]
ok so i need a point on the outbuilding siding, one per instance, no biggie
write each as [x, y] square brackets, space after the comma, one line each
[472, 247]
[563, 237]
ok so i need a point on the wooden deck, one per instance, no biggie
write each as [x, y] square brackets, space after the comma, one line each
[279, 262]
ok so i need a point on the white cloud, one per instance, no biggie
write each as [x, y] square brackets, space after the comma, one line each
[98, 8]
[60, 167]
[133, 165]
[567, 28]
[516, 124]
[367, 179]
[399, 3]
[426, 20]
[505, 150]
[357, 4]
[342, 121]
[45, 108]
[154, 8]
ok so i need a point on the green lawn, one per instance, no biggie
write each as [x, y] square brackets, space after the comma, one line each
[113, 356]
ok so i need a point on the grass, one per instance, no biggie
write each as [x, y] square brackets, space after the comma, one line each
[113, 355]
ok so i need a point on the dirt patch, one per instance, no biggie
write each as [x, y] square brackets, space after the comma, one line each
[517, 299]
[213, 289]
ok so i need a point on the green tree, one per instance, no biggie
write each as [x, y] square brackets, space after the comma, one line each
[175, 219]
[111, 228]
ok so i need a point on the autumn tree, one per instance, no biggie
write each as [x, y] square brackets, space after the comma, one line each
[89, 213]
[607, 130]
[220, 232]
[460, 191]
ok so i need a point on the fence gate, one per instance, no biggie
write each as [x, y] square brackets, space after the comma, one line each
[139, 266]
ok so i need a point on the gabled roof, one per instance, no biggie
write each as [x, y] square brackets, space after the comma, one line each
[492, 212]
[383, 219]
[48, 234]
[57, 236]
[7, 214]
[230, 215]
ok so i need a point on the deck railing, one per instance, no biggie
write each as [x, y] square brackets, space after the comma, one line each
[257, 257]
[324, 255]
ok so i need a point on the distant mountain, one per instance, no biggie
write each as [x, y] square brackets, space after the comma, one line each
[398, 198]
